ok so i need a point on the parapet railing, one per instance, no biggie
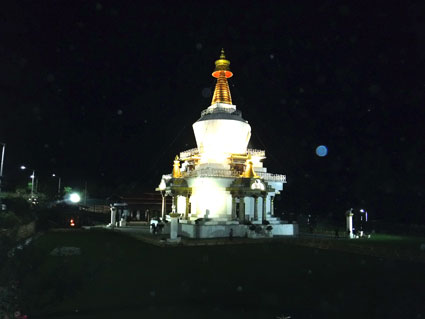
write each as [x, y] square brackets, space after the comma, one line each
[195, 151]
[221, 110]
[188, 153]
[255, 152]
[269, 177]
[211, 172]
[214, 172]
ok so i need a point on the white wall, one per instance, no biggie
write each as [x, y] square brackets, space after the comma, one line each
[285, 229]
[218, 138]
[229, 206]
[217, 231]
[181, 204]
[210, 194]
[249, 208]
[211, 231]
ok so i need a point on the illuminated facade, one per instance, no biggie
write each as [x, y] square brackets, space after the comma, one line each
[222, 186]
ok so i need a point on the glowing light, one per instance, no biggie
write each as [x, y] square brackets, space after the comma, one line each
[72, 223]
[181, 204]
[257, 185]
[321, 151]
[74, 197]
[217, 139]
[162, 185]
[23, 167]
[227, 74]
[208, 198]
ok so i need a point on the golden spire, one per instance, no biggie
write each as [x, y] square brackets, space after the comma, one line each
[249, 171]
[222, 73]
[176, 168]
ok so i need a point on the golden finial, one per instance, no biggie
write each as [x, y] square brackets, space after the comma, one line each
[222, 56]
[222, 64]
[176, 168]
[222, 73]
[249, 170]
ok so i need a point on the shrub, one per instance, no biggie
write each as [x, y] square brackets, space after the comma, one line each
[252, 227]
[9, 220]
[266, 222]
[21, 208]
[269, 228]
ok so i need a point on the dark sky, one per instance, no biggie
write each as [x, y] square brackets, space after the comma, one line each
[106, 92]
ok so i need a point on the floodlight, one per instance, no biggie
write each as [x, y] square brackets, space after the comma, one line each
[74, 197]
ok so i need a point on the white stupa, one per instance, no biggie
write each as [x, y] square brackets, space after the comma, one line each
[222, 187]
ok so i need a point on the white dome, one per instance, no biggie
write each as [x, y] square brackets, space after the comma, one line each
[219, 133]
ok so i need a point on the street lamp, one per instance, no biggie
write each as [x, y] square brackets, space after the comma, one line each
[2, 161]
[75, 198]
[162, 186]
[32, 179]
[363, 220]
[59, 184]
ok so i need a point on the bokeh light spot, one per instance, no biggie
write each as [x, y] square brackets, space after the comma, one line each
[206, 92]
[321, 151]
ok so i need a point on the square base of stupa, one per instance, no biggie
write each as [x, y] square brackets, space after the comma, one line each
[214, 229]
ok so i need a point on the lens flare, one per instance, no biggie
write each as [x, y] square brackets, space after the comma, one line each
[321, 151]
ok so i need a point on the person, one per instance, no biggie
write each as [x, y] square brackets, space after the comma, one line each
[336, 233]
[231, 234]
[118, 217]
[153, 228]
[159, 227]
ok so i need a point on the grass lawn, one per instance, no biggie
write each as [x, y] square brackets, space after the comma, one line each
[393, 241]
[384, 245]
[120, 277]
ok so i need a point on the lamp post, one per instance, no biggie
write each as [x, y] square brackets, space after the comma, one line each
[32, 180]
[59, 184]
[162, 186]
[363, 221]
[1, 165]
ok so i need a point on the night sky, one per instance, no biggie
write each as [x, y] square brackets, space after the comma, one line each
[107, 92]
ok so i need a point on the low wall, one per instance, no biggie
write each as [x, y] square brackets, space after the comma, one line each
[285, 229]
[219, 231]
[211, 231]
